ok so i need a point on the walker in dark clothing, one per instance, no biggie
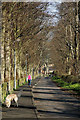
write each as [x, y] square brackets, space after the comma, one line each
[29, 81]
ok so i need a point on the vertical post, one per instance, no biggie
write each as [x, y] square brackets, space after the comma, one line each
[7, 88]
[9, 78]
[14, 69]
[33, 73]
[26, 68]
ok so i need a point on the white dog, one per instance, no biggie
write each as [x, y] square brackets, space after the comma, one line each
[10, 98]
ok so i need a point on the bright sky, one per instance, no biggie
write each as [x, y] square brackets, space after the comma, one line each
[40, 0]
[53, 11]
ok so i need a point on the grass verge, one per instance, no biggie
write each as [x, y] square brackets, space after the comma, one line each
[70, 86]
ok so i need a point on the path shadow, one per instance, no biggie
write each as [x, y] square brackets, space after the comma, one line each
[53, 89]
[14, 106]
[28, 107]
[43, 92]
[27, 90]
[26, 96]
[57, 100]
[64, 113]
[52, 93]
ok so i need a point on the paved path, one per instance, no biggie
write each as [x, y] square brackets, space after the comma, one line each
[26, 108]
[49, 102]
[52, 102]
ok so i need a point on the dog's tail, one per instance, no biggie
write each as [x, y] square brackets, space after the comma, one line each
[19, 94]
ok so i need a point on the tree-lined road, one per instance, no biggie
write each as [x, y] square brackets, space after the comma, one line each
[35, 35]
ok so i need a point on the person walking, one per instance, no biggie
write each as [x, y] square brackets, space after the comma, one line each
[29, 80]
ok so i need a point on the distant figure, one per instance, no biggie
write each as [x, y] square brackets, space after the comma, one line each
[29, 80]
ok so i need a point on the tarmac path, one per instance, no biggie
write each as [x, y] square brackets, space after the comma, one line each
[43, 100]
[52, 102]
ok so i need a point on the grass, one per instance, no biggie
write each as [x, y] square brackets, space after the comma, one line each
[75, 87]
[66, 85]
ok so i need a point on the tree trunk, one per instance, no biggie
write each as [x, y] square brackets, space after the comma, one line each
[76, 34]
